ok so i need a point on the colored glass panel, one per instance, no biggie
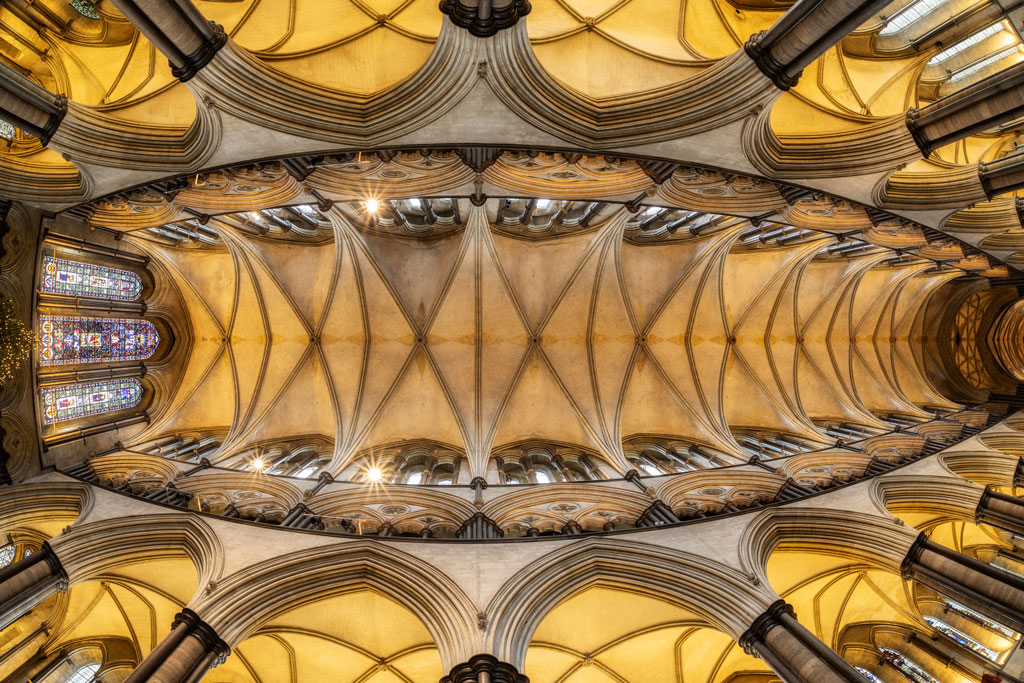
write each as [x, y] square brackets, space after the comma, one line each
[73, 339]
[6, 555]
[962, 638]
[868, 675]
[907, 667]
[85, 8]
[7, 131]
[82, 400]
[980, 619]
[84, 279]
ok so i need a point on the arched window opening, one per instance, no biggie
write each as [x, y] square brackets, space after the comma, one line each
[907, 667]
[7, 554]
[849, 431]
[980, 619]
[75, 401]
[769, 445]
[72, 278]
[658, 455]
[966, 43]
[65, 340]
[962, 638]
[868, 675]
[545, 463]
[7, 131]
[422, 463]
[85, 8]
[974, 67]
[84, 674]
[910, 14]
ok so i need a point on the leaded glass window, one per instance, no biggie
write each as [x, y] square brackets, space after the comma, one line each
[73, 339]
[978, 66]
[907, 667]
[967, 42]
[909, 14]
[868, 675]
[82, 400]
[84, 279]
[7, 131]
[962, 638]
[84, 674]
[85, 8]
[7, 554]
[980, 619]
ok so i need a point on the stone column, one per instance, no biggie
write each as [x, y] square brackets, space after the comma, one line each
[29, 106]
[1001, 511]
[185, 655]
[25, 584]
[178, 30]
[979, 106]
[484, 669]
[1002, 175]
[994, 593]
[804, 33]
[795, 654]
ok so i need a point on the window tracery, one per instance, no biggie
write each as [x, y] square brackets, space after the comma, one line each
[967, 42]
[65, 340]
[85, 8]
[7, 554]
[72, 278]
[75, 401]
[868, 675]
[7, 131]
[544, 463]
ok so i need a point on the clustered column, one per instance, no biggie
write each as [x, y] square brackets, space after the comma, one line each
[996, 594]
[795, 654]
[185, 656]
[25, 584]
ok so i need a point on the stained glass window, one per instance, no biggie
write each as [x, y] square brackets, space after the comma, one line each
[84, 279]
[6, 130]
[907, 667]
[962, 638]
[81, 400]
[868, 675]
[6, 554]
[85, 8]
[73, 339]
[980, 619]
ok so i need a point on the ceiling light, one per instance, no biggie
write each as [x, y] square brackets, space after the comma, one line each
[372, 205]
[374, 475]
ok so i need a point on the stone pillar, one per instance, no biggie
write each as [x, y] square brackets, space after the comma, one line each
[1001, 511]
[994, 593]
[484, 669]
[804, 33]
[484, 18]
[25, 584]
[1002, 175]
[29, 106]
[795, 654]
[185, 655]
[178, 30]
[979, 106]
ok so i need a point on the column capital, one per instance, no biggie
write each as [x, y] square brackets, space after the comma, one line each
[496, 671]
[203, 632]
[484, 18]
[768, 620]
